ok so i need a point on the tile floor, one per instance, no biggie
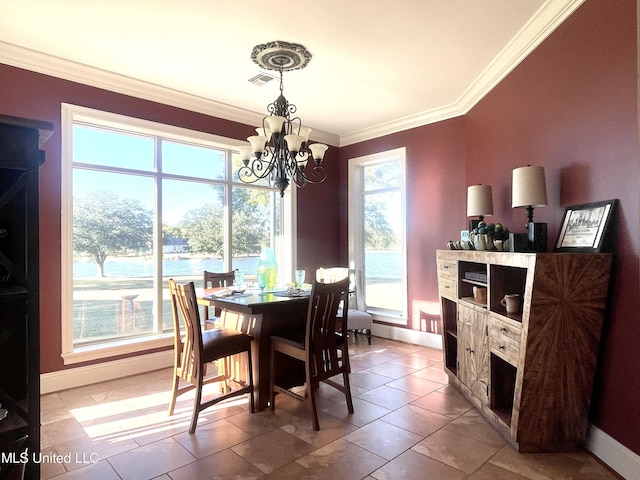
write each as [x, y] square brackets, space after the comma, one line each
[407, 424]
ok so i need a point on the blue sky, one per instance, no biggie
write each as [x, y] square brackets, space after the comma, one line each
[114, 149]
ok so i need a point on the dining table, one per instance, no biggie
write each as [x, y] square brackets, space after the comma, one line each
[279, 312]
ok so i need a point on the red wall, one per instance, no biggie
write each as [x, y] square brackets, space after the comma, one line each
[571, 106]
[31, 95]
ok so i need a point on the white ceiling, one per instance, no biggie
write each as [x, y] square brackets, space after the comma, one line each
[378, 66]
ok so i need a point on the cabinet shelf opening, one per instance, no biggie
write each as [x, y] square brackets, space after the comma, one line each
[503, 386]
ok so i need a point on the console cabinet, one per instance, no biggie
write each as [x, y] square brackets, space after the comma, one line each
[529, 372]
[20, 160]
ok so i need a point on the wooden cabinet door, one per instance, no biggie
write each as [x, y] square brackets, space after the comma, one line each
[473, 351]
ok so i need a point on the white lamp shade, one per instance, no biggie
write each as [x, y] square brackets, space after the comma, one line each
[479, 200]
[294, 142]
[275, 123]
[305, 131]
[265, 132]
[257, 143]
[528, 187]
[317, 150]
[245, 152]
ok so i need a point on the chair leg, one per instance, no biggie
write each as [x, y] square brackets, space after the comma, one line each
[347, 391]
[314, 409]
[196, 407]
[272, 372]
[252, 405]
[174, 394]
[368, 332]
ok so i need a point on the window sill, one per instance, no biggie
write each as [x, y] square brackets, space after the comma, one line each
[115, 348]
[386, 316]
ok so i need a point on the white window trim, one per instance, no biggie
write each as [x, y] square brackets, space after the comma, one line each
[74, 113]
[355, 241]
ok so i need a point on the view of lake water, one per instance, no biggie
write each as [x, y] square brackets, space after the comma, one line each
[379, 264]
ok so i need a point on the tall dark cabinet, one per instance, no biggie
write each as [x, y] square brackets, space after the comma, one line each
[20, 160]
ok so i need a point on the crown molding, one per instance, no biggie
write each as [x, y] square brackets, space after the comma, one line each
[548, 17]
[67, 70]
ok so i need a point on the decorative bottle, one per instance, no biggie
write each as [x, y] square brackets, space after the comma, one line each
[268, 266]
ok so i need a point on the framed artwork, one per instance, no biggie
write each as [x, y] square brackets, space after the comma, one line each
[586, 228]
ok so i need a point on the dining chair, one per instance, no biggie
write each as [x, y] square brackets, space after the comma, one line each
[198, 348]
[359, 318]
[215, 280]
[321, 349]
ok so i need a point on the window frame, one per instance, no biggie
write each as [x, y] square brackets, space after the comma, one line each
[355, 219]
[73, 114]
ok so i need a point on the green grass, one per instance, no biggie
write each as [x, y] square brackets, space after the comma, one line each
[107, 308]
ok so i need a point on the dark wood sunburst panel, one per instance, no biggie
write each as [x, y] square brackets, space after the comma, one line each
[529, 372]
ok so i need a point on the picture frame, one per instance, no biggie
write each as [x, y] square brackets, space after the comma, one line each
[586, 228]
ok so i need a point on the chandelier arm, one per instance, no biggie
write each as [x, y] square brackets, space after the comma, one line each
[293, 122]
[318, 171]
[257, 169]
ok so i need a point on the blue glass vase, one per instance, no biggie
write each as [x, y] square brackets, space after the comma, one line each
[268, 267]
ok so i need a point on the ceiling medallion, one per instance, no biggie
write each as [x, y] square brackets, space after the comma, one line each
[281, 56]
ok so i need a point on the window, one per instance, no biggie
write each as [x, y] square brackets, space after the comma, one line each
[144, 202]
[377, 231]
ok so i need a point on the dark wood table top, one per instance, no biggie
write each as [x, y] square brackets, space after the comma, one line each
[253, 302]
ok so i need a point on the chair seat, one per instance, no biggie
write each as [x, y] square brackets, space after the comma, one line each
[223, 342]
[358, 320]
[297, 342]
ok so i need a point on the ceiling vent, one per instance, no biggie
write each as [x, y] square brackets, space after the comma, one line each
[261, 79]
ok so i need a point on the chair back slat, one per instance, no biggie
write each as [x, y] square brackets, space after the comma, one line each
[218, 279]
[184, 307]
[324, 360]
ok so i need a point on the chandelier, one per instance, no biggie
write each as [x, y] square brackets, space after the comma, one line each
[280, 152]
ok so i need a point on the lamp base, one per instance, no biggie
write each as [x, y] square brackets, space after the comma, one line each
[518, 242]
[537, 237]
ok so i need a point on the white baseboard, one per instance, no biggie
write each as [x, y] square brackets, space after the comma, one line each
[102, 372]
[407, 335]
[618, 457]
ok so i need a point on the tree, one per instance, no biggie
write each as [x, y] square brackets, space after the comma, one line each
[250, 221]
[203, 228]
[381, 181]
[105, 224]
[377, 232]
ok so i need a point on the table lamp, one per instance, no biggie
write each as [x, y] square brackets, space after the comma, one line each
[479, 203]
[529, 191]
